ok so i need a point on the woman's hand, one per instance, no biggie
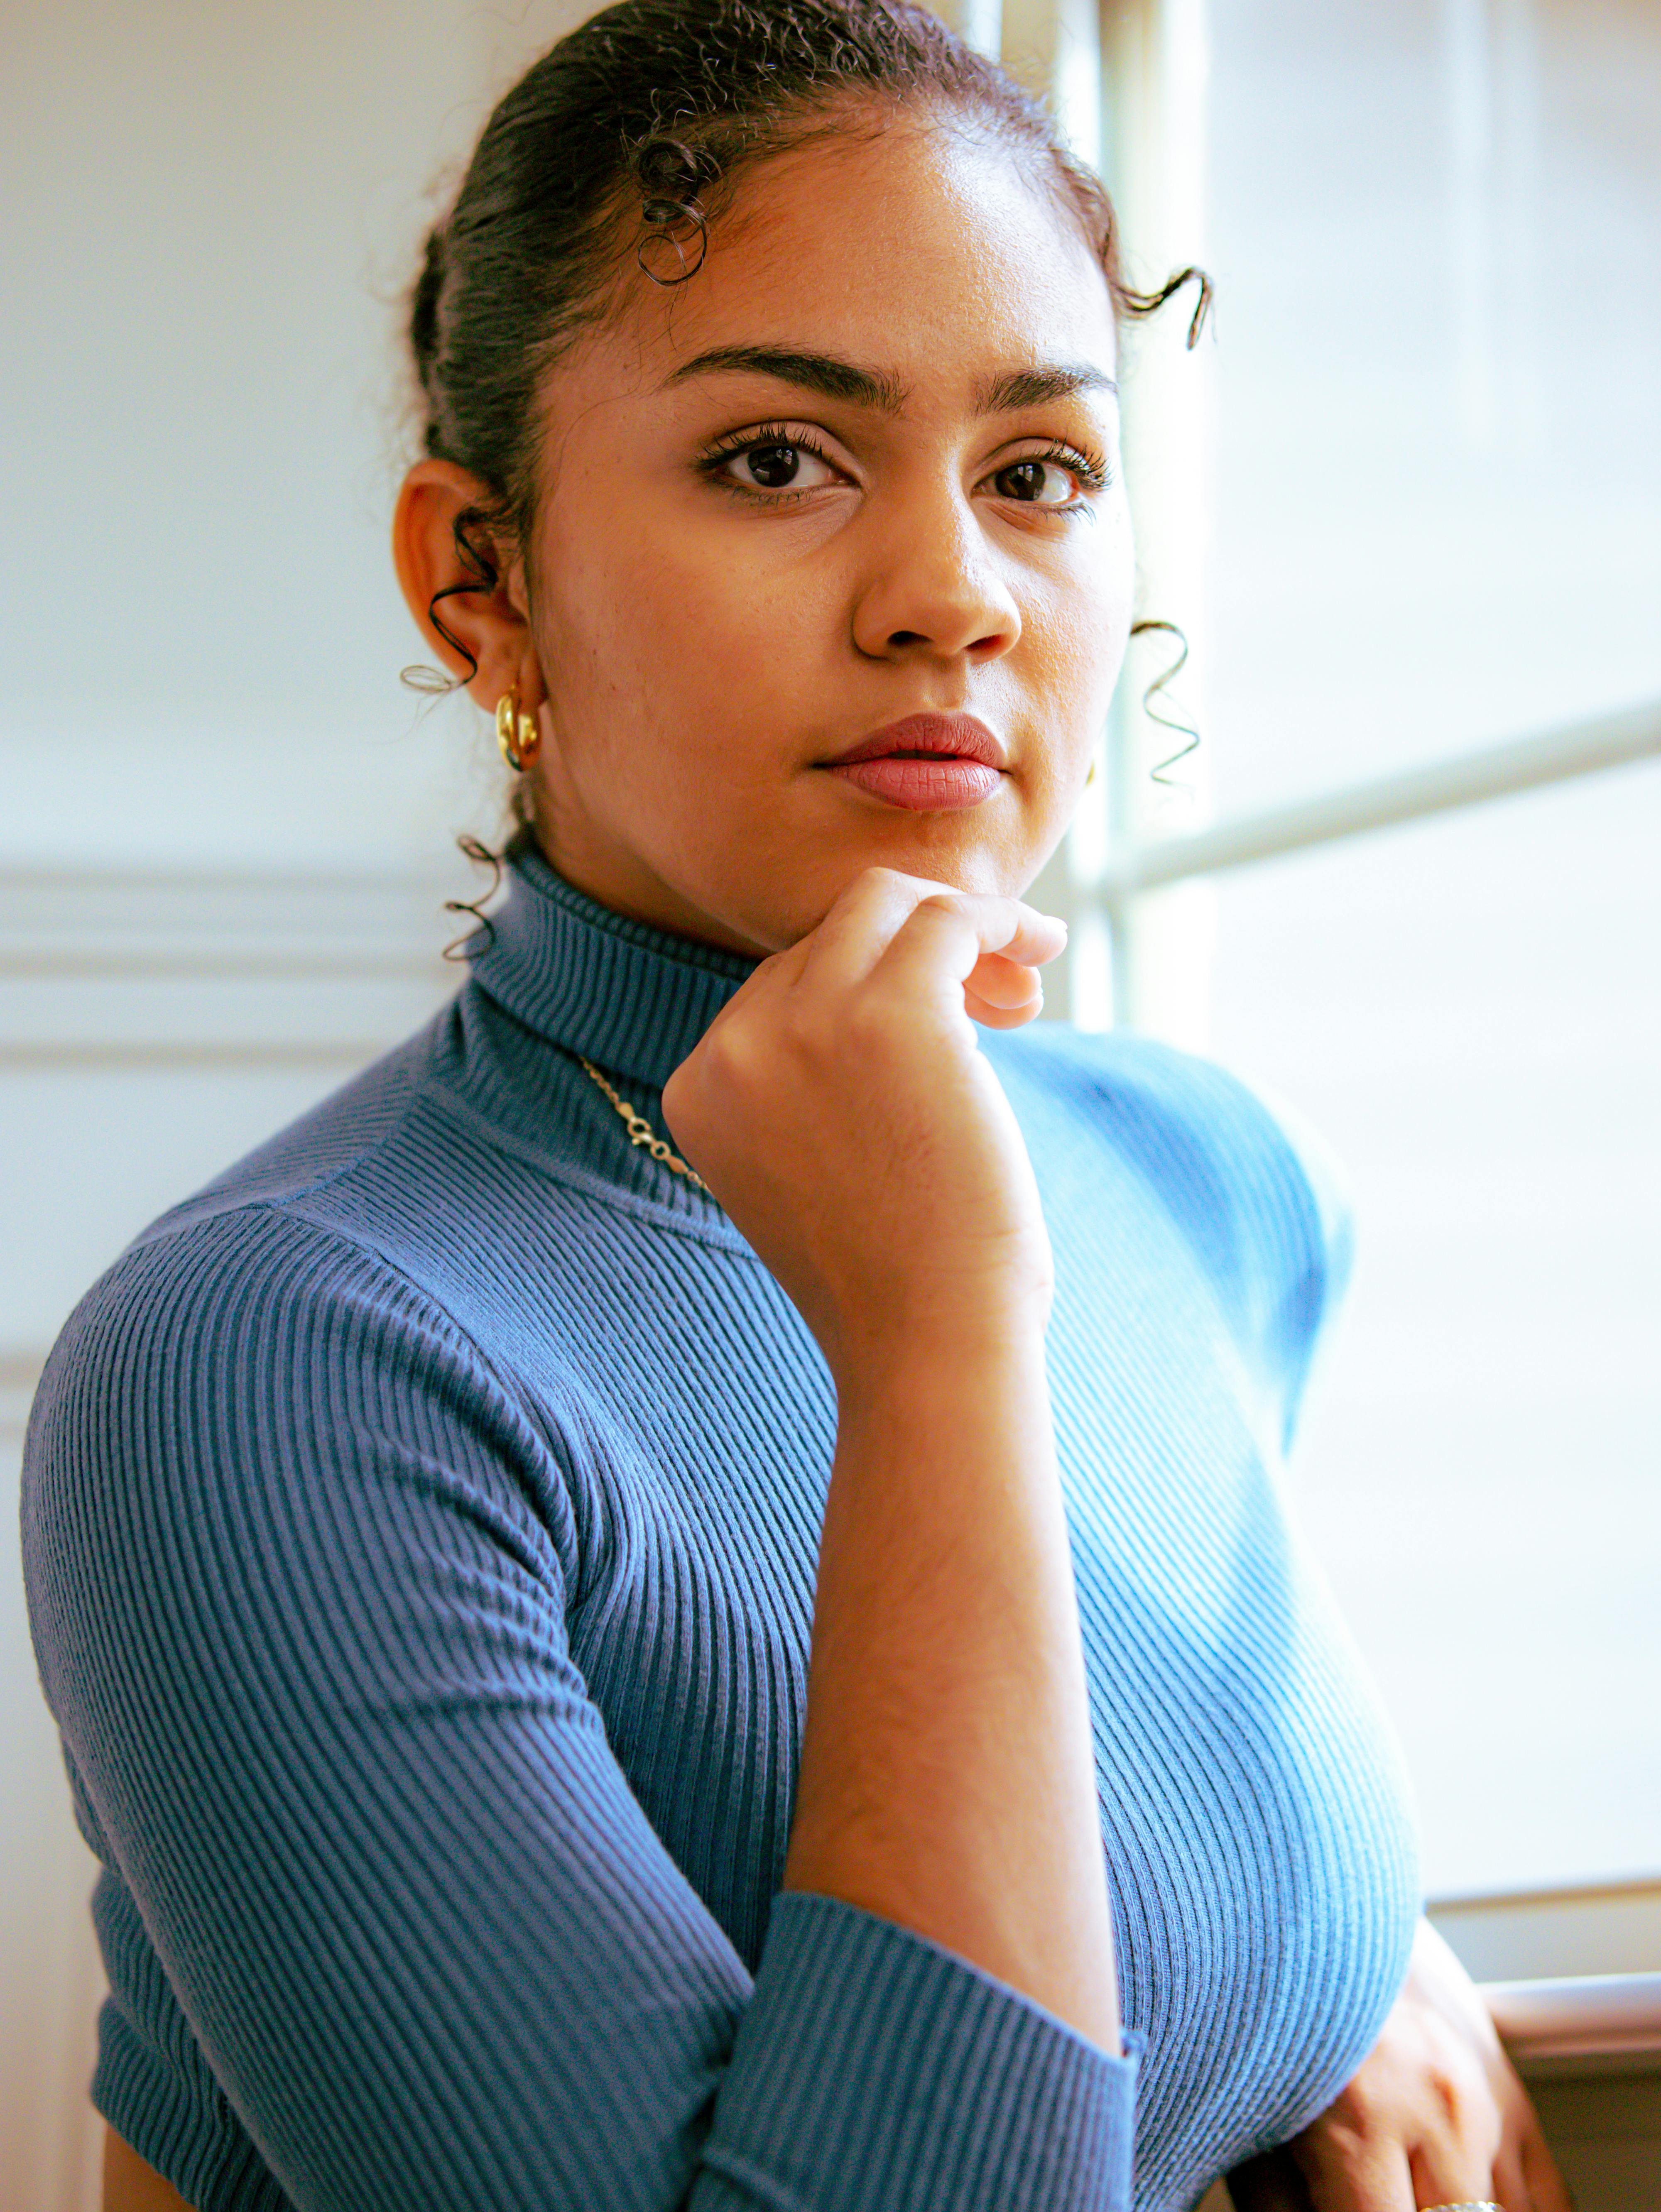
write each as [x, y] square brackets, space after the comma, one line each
[839, 1110]
[1435, 2116]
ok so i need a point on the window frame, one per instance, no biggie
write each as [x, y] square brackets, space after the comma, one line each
[1128, 79]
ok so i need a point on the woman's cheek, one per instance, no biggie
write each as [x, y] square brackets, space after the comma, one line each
[1079, 650]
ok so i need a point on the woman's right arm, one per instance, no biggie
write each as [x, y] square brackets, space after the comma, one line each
[301, 1583]
[842, 1111]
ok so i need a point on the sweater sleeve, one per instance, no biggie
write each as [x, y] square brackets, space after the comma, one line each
[386, 1912]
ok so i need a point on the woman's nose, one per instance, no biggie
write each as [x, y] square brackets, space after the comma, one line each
[932, 589]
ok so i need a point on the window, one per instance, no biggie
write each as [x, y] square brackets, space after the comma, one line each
[1411, 511]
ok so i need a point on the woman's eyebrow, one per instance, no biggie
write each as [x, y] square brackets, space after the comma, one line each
[825, 373]
[1031, 387]
[837, 379]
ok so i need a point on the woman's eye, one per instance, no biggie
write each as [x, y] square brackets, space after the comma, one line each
[1038, 482]
[777, 465]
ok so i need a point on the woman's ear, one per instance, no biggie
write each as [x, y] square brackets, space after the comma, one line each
[484, 639]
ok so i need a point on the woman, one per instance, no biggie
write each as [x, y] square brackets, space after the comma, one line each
[761, 1666]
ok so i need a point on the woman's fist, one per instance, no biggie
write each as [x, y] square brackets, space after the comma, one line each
[840, 1108]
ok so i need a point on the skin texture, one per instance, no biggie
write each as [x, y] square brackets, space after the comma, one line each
[133, 2185]
[692, 651]
[947, 1781]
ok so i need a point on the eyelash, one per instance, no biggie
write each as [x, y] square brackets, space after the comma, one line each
[714, 457]
[1093, 474]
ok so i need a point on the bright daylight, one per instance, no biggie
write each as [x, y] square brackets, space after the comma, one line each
[830, 1069]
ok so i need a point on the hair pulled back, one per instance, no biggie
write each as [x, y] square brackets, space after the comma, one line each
[620, 144]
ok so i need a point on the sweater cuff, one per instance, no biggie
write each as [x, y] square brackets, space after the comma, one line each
[166, 2108]
[875, 2072]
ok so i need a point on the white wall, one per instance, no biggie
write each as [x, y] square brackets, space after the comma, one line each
[210, 211]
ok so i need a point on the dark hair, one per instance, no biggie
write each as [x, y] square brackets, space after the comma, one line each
[655, 106]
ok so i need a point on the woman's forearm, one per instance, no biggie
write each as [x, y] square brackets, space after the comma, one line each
[947, 1779]
[841, 1110]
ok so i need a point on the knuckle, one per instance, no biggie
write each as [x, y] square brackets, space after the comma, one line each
[883, 879]
[939, 902]
[719, 1063]
[814, 1031]
[1458, 2076]
[1361, 2107]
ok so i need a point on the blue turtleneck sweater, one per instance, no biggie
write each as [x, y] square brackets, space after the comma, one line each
[419, 1527]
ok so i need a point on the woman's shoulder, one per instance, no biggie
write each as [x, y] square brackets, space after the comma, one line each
[283, 1267]
[1186, 1118]
[322, 1227]
[254, 1360]
[319, 1147]
[1250, 1187]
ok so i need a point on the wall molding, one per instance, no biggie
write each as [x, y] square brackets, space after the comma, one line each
[152, 969]
[1564, 1932]
[151, 922]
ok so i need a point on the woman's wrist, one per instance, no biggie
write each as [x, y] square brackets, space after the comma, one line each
[930, 1358]
[946, 1780]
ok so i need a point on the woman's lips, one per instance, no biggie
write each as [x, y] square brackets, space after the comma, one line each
[932, 764]
[939, 784]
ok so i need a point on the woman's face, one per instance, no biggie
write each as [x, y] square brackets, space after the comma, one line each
[862, 468]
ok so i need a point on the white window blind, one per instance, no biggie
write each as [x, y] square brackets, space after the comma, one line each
[1409, 510]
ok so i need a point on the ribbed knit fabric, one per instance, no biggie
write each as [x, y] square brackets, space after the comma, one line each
[419, 1529]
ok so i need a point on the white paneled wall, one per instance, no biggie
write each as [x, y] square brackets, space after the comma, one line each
[152, 1027]
[225, 828]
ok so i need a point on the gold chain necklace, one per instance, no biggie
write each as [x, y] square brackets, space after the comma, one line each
[641, 1132]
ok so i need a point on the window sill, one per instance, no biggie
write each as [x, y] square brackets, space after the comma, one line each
[1550, 2027]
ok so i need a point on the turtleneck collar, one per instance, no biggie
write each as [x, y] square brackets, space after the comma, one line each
[632, 998]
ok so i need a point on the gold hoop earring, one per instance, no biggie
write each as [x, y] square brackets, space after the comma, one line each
[516, 733]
